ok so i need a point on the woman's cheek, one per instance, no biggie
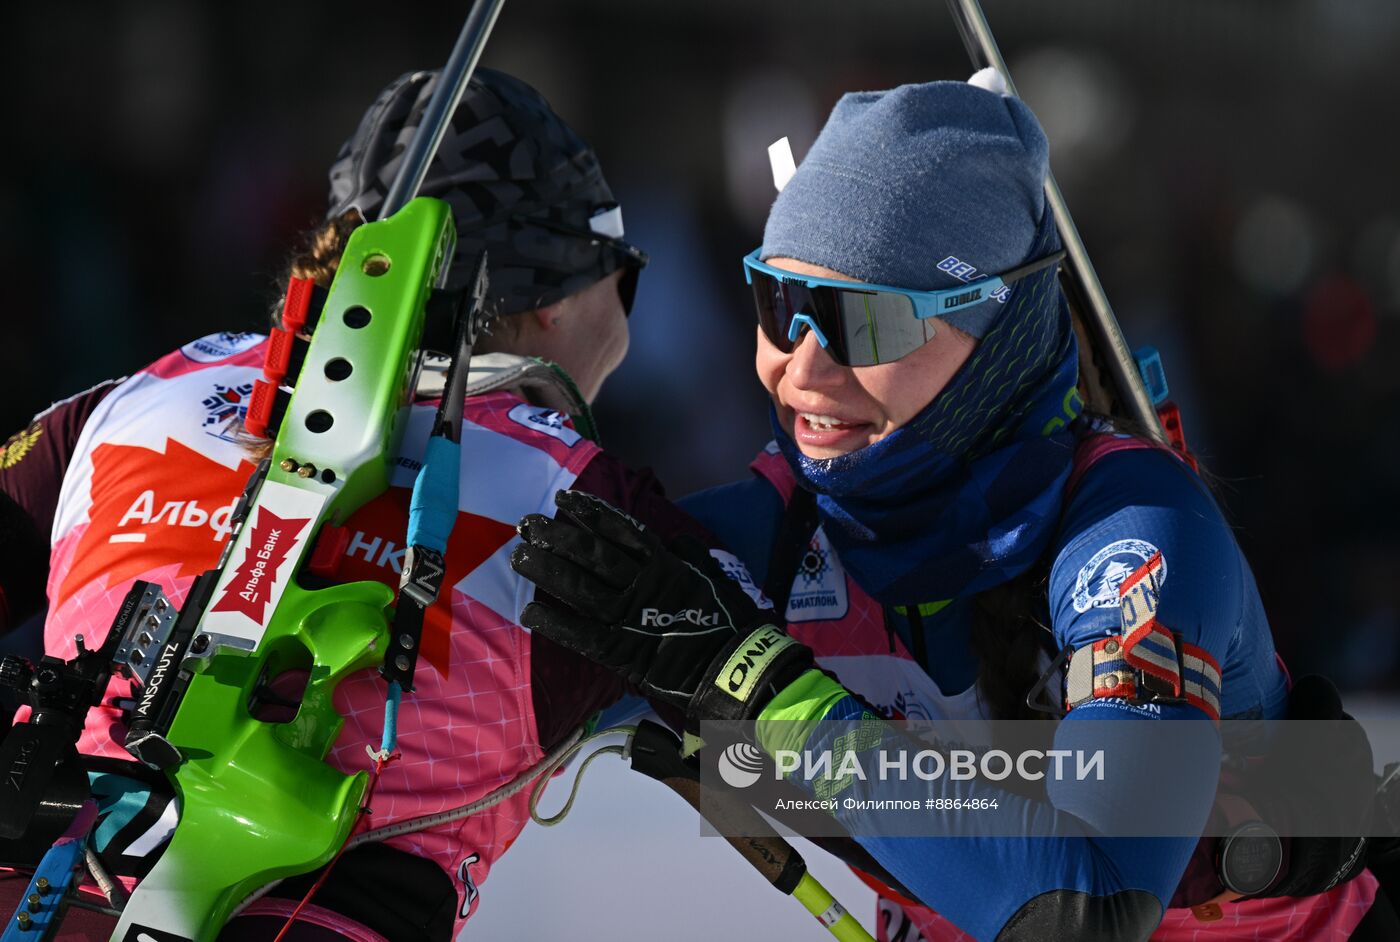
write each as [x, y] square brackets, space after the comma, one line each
[769, 363]
[905, 387]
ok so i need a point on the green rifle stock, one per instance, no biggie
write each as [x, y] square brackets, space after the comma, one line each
[257, 800]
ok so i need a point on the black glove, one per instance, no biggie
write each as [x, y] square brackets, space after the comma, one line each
[1280, 789]
[667, 619]
[1316, 864]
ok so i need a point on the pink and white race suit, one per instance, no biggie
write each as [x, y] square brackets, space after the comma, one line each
[150, 469]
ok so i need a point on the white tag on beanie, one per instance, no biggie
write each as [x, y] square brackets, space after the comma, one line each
[607, 222]
[780, 157]
[990, 79]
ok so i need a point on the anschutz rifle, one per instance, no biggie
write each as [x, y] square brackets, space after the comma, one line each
[257, 800]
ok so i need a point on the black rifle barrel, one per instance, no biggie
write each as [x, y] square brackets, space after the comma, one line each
[1085, 291]
[451, 85]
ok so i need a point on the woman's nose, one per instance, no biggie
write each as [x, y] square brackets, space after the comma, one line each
[811, 367]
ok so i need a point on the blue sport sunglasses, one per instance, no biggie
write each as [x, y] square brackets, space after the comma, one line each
[861, 324]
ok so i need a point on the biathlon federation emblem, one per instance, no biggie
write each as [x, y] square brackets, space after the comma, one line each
[223, 406]
[1100, 579]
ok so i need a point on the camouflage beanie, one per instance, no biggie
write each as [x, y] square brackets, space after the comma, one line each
[521, 184]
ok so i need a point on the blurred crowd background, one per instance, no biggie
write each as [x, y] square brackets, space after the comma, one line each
[1231, 165]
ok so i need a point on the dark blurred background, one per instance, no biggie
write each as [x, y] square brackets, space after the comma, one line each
[1231, 165]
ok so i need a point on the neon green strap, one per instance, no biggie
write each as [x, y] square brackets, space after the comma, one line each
[789, 718]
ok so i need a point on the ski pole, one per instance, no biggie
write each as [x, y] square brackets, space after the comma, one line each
[1081, 282]
[656, 754]
[437, 116]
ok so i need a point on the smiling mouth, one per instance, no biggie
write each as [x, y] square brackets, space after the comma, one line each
[826, 423]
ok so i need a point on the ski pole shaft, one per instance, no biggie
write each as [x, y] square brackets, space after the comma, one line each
[1086, 293]
[451, 85]
[821, 904]
[656, 754]
[772, 856]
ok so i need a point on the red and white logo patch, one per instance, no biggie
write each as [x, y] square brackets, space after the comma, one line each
[254, 578]
[268, 549]
[151, 510]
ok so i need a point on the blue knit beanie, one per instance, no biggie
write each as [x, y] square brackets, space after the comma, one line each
[922, 187]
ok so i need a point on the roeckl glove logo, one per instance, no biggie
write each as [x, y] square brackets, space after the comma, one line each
[655, 618]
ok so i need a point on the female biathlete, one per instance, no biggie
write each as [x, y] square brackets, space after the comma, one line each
[956, 500]
[135, 479]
